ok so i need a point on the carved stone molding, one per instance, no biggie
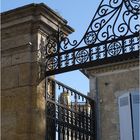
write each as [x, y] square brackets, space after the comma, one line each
[120, 66]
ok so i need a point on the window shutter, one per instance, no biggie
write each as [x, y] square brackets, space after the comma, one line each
[135, 99]
[125, 117]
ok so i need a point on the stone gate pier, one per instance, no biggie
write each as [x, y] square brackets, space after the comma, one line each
[23, 88]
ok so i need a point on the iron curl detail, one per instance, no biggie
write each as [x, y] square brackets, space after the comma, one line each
[51, 45]
[90, 38]
[113, 32]
[115, 3]
[133, 6]
[114, 48]
[65, 43]
[52, 63]
[113, 18]
[82, 56]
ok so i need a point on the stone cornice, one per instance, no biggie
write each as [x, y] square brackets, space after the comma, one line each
[30, 9]
[110, 68]
[35, 13]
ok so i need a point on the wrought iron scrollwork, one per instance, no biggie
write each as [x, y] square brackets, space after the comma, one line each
[114, 48]
[113, 26]
[112, 20]
[82, 56]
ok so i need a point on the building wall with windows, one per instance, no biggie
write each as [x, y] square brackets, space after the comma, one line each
[108, 83]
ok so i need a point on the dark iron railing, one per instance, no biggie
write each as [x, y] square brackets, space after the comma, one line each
[70, 114]
[113, 35]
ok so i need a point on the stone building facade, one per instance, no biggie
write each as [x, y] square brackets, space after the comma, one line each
[23, 92]
[108, 83]
[23, 88]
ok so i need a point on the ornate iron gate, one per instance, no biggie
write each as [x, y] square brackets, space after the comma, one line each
[70, 114]
[113, 35]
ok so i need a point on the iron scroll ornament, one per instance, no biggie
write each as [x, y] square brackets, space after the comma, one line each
[112, 34]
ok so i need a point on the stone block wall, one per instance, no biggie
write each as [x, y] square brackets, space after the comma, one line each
[107, 83]
[16, 82]
[23, 88]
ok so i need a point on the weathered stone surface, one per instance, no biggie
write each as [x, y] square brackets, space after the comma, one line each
[23, 119]
[35, 74]
[20, 58]
[11, 28]
[23, 92]
[39, 112]
[9, 77]
[10, 43]
[6, 61]
[8, 125]
[15, 99]
[110, 84]
[25, 74]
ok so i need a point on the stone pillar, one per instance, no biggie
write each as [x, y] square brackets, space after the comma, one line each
[23, 88]
[93, 91]
[112, 81]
